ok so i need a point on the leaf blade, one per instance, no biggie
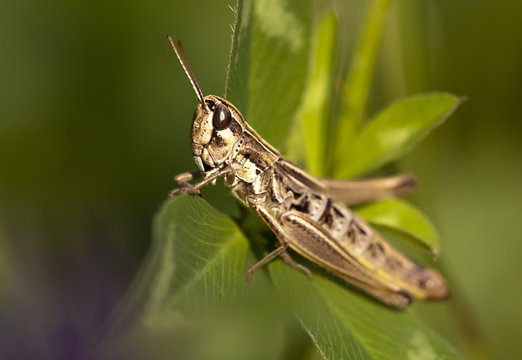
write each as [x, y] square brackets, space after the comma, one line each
[270, 62]
[312, 115]
[332, 338]
[358, 82]
[236, 87]
[191, 242]
[396, 130]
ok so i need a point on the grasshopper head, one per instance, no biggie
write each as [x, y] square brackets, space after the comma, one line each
[216, 129]
[217, 125]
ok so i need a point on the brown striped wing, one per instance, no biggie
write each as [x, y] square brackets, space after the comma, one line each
[328, 233]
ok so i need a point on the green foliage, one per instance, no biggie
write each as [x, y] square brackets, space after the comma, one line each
[394, 131]
[269, 62]
[358, 81]
[313, 113]
[196, 250]
[197, 262]
[191, 290]
[345, 325]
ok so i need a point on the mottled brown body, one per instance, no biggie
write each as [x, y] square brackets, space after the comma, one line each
[329, 234]
[307, 215]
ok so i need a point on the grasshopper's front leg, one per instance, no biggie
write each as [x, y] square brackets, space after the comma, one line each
[183, 180]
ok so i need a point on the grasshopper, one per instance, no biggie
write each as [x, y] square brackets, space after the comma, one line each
[308, 215]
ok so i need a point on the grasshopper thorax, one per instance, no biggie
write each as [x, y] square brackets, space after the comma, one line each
[217, 128]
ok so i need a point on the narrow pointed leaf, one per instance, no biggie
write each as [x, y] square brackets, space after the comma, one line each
[395, 131]
[404, 220]
[313, 113]
[360, 75]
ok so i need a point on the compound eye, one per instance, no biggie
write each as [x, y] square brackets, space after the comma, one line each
[222, 117]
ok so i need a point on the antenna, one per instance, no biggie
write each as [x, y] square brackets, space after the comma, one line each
[180, 54]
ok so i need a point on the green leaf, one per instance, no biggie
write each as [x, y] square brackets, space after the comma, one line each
[395, 131]
[358, 81]
[313, 112]
[196, 261]
[236, 87]
[404, 220]
[269, 62]
[345, 324]
[191, 290]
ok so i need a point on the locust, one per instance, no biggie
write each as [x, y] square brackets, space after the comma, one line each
[310, 216]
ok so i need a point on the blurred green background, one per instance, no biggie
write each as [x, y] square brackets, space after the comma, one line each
[94, 121]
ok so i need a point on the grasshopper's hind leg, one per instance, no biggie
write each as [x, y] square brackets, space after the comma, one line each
[288, 259]
[354, 192]
[284, 241]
